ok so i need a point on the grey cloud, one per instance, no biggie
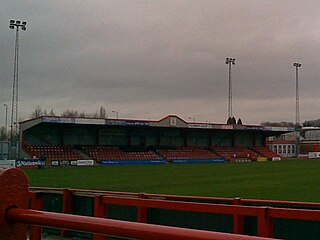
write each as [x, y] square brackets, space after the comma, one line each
[149, 58]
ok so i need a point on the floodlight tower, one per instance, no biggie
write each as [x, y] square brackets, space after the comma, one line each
[297, 65]
[230, 61]
[15, 82]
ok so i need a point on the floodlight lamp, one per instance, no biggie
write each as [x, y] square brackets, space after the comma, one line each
[23, 28]
[24, 23]
[18, 22]
[11, 26]
[11, 21]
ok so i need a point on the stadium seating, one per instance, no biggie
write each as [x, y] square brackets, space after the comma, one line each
[100, 153]
[187, 153]
[54, 152]
[266, 152]
[236, 153]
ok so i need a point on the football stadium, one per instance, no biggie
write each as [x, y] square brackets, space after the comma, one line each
[88, 141]
[160, 172]
[79, 176]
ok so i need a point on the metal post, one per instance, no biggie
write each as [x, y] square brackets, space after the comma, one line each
[230, 61]
[15, 82]
[6, 118]
[297, 123]
[297, 65]
[14, 192]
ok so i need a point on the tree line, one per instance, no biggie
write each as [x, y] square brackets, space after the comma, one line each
[102, 113]
[38, 112]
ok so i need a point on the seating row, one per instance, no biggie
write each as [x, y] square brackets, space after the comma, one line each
[231, 153]
[187, 153]
[266, 152]
[54, 152]
[114, 153]
[99, 153]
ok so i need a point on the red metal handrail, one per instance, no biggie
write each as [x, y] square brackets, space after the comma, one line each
[239, 209]
[179, 197]
[184, 206]
[115, 227]
[14, 215]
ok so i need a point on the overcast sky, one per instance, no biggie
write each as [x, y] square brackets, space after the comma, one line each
[150, 58]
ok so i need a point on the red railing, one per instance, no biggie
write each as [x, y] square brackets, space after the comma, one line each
[115, 227]
[14, 215]
[237, 207]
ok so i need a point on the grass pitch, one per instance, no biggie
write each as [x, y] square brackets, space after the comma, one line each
[293, 180]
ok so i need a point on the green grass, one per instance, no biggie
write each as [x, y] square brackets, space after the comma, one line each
[287, 180]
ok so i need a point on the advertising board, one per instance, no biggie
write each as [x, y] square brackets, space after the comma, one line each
[195, 161]
[199, 125]
[29, 163]
[276, 159]
[132, 162]
[55, 163]
[73, 163]
[262, 159]
[85, 162]
[314, 154]
[7, 163]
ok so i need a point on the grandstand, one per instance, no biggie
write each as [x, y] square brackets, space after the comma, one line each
[100, 153]
[310, 139]
[188, 152]
[54, 152]
[266, 152]
[237, 153]
[121, 140]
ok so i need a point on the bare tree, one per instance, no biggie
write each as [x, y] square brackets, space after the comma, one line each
[4, 135]
[70, 113]
[37, 112]
[51, 112]
[102, 112]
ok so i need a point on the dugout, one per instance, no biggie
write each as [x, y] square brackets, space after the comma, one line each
[169, 132]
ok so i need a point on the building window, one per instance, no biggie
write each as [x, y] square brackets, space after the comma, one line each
[293, 148]
[173, 121]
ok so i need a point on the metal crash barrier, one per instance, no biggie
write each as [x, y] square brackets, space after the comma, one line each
[15, 215]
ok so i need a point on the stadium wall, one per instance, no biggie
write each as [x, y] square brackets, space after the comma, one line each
[169, 132]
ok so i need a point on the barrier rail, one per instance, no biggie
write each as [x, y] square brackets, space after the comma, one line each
[14, 216]
[116, 227]
[237, 207]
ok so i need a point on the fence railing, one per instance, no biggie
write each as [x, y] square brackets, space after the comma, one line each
[15, 196]
[14, 217]
[238, 208]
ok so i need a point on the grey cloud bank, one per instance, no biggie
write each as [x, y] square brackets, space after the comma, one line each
[147, 59]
